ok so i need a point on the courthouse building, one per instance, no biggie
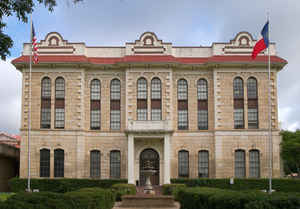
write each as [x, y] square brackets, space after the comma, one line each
[109, 112]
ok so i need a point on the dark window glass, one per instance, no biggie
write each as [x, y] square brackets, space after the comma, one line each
[59, 103]
[95, 164]
[203, 160]
[46, 103]
[182, 89]
[142, 99]
[183, 163]
[155, 99]
[44, 163]
[202, 89]
[95, 112]
[115, 164]
[182, 119]
[252, 118]
[254, 164]
[238, 118]
[202, 119]
[240, 164]
[46, 88]
[59, 162]
[115, 108]
[252, 88]
[238, 88]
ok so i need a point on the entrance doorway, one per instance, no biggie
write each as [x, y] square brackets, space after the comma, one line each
[149, 157]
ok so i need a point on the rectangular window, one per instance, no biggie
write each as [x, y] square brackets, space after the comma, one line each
[44, 163]
[202, 119]
[115, 119]
[59, 118]
[238, 118]
[142, 114]
[182, 119]
[115, 164]
[254, 164]
[46, 117]
[203, 164]
[59, 163]
[95, 164]
[240, 167]
[183, 167]
[95, 119]
[156, 114]
[252, 118]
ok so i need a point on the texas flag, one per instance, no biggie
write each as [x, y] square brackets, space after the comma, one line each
[262, 43]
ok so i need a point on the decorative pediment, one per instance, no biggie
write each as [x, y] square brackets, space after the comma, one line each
[55, 44]
[148, 44]
[242, 44]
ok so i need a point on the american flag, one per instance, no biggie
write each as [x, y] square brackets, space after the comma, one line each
[34, 46]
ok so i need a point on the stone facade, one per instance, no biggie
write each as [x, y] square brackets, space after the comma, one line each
[149, 57]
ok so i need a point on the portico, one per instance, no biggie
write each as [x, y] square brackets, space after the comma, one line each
[149, 135]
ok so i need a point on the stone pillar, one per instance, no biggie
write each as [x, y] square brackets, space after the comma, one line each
[167, 159]
[131, 179]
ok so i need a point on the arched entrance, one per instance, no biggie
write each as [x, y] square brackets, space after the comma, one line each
[149, 156]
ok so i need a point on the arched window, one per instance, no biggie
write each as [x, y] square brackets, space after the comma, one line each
[115, 106]
[59, 103]
[182, 94]
[252, 103]
[156, 99]
[203, 160]
[59, 162]
[142, 99]
[202, 93]
[95, 164]
[254, 164]
[183, 163]
[239, 164]
[44, 163]
[115, 164]
[95, 113]
[238, 96]
[46, 103]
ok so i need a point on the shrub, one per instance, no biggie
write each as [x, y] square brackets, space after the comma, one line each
[91, 198]
[62, 185]
[123, 189]
[172, 189]
[282, 185]
[214, 198]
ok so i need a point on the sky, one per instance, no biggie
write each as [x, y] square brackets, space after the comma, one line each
[182, 22]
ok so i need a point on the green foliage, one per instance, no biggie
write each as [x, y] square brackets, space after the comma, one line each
[283, 185]
[22, 9]
[91, 198]
[61, 185]
[290, 151]
[214, 198]
[4, 196]
[172, 189]
[123, 189]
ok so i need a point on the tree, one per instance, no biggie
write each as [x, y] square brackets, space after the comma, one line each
[290, 151]
[20, 8]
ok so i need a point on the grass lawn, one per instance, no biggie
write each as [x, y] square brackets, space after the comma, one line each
[4, 196]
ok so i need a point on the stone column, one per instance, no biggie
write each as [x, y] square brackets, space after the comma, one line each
[167, 159]
[130, 154]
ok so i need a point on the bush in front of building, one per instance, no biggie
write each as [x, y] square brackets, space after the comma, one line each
[91, 198]
[172, 189]
[61, 185]
[123, 189]
[214, 198]
[282, 185]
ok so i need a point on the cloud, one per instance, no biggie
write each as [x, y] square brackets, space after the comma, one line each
[10, 94]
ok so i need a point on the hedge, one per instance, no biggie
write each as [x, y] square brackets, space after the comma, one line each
[89, 198]
[61, 185]
[283, 185]
[172, 189]
[123, 189]
[214, 198]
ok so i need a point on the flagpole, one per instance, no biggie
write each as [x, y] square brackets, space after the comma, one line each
[270, 109]
[29, 108]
